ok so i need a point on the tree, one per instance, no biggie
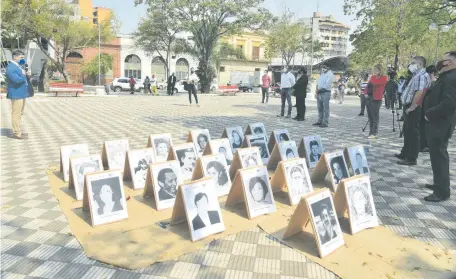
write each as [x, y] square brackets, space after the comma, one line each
[53, 21]
[207, 21]
[91, 68]
[224, 51]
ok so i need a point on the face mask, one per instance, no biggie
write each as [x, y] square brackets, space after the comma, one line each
[21, 62]
[412, 68]
[440, 65]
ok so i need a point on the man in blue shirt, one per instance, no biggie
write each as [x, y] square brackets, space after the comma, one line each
[323, 96]
[17, 91]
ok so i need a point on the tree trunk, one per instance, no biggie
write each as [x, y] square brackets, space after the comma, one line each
[396, 58]
[43, 85]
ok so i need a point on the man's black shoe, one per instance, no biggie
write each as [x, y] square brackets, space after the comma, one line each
[295, 118]
[435, 198]
[323, 126]
[278, 115]
[399, 156]
[301, 119]
[288, 116]
[361, 114]
[406, 163]
[316, 124]
[429, 186]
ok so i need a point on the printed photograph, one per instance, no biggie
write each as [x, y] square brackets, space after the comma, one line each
[81, 167]
[338, 167]
[161, 144]
[314, 150]
[358, 160]
[235, 136]
[167, 177]
[258, 191]
[288, 150]
[116, 151]
[258, 129]
[214, 166]
[298, 180]
[200, 139]
[69, 151]
[260, 142]
[326, 220]
[282, 135]
[361, 205]
[139, 161]
[249, 160]
[187, 159]
[223, 146]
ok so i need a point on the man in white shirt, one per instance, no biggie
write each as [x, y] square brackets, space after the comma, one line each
[192, 81]
[323, 96]
[287, 81]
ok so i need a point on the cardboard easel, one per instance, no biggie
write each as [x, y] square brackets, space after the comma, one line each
[273, 138]
[250, 129]
[237, 163]
[349, 161]
[127, 173]
[150, 142]
[66, 165]
[210, 150]
[304, 153]
[73, 177]
[320, 171]
[104, 153]
[172, 155]
[276, 156]
[194, 141]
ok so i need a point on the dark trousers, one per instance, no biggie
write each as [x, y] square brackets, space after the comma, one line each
[423, 139]
[192, 90]
[387, 100]
[286, 96]
[132, 89]
[362, 98]
[399, 100]
[373, 114]
[438, 151]
[265, 92]
[411, 134]
[147, 89]
[171, 88]
[300, 106]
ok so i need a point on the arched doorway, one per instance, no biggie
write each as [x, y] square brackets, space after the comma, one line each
[74, 62]
[159, 69]
[133, 66]
[182, 69]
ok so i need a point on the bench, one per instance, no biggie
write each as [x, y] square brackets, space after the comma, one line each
[228, 90]
[58, 88]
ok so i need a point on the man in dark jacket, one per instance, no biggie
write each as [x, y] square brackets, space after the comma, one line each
[439, 106]
[171, 84]
[300, 89]
[391, 90]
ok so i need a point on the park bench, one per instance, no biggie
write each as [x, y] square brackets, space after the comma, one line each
[228, 90]
[59, 88]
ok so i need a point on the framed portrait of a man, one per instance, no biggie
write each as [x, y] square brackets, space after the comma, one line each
[214, 166]
[325, 223]
[166, 178]
[314, 148]
[139, 161]
[200, 139]
[260, 142]
[160, 144]
[68, 151]
[298, 179]
[106, 197]
[186, 155]
[337, 168]
[250, 157]
[116, 151]
[202, 208]
[80, 166]
[361, 207]
[258, 192]
[358, 160]
[288, 150]
[235, 135]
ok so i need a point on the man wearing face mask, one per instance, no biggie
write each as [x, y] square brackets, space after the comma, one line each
[17, 91]
[287, 80]
[323, 96]
[411, 100]
[439, 107]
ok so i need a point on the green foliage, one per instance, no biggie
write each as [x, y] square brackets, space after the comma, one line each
[224, 51]
[91, 68]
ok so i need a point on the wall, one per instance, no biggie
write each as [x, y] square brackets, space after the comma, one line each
[236, 71]
[86, 8]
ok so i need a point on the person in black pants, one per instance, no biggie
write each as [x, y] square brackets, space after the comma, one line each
[300, 89]
[191, 86]
[362, 96]
[171, 84]
[432, 72]
[439, 107]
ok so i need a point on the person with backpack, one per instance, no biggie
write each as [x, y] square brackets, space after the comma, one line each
[147, 86]
[132, 85]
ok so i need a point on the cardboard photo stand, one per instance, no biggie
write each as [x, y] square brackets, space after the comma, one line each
[348, 153]
[181, 210]
[201, 171]
[129, 166]
[320, 172]
[172, 155]
[305, 153]
[73, 180]
[65, 153]
[192, 136]
[302, 216]
[226, 134]
[237, 162]
[151, 144]
[247, 143]
[107, 161]
[274, 136]
[277, 155]
[251, 129]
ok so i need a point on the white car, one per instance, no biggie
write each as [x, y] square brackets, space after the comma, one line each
[161, 85]
[123, 84]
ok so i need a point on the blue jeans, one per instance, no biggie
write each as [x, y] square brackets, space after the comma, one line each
[286, 96]
[323, 107]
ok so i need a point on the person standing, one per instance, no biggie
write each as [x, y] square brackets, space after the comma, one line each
[287, 80]
[362, 95]
[323, 96]
[18, 89]
[265, 84]
[132, 85]
[300, 89]
[391, 90]
[432, 72]
[439, 107]
[153, 83]
[191, 86]
[147, 86]
[410, 99]
[171, 84]
[400, 89]
[341, 89]
[376, 85]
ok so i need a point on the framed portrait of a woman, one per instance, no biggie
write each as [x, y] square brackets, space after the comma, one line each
[115, 152]
[200, 139]
[214, 166]
[80, 166]
[106, 197]
[235, 135]
[68, 151]
[258, 192]
[139, 161]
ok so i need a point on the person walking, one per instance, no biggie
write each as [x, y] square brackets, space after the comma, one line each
[439, 107]
[191, 86]
[375, 91]
[132, 85]
[153, 83]
[287, 80]
[362, 94]
[300, 89]
[410, 99]
[432, 72]
[323, 96]
[18, 89]
[171, 84]
[265, 84]
[147, 86]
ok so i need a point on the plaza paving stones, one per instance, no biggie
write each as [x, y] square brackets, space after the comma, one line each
[37, 242]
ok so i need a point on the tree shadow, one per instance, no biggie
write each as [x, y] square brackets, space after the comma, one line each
[7, 132]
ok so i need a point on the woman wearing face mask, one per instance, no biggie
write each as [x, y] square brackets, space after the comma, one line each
[376, 88]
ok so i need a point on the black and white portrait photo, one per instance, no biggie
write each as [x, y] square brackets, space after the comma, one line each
[235, 136]
[282, 135]
[249, 160]
[362, 213]
[187, 159]
[260, 142]
[81, 167]
[298, 180]
[107, 198]
[161, 144]
[258, 191]
[116, 151]
[314, 149]
[167, 177]
[288, 150]
[68, 151]
[215, 167]
[139, 161]
[258, 129]
[200, 138]
[222, 146]
[338, 167]
[203, 209]
[358, 160]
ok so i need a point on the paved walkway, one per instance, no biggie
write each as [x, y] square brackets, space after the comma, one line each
[36, 239]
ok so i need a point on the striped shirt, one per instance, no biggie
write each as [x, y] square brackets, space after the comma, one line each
[419, 81]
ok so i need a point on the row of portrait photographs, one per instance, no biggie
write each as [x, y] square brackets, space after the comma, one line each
[106, 197]
[214, 166]
[200, 139]
[337, 167]
[202, 208]
[325, 222]
[314, 148]
[250, 157]
[260, 142]
[298, 179]
[258, 192]
[68, 151]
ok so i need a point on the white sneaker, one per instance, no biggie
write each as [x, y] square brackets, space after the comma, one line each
[372, 137]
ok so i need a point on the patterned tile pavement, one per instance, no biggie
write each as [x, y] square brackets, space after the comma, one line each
[36, 240]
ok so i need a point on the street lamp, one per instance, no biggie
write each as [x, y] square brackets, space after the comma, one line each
[439, 28]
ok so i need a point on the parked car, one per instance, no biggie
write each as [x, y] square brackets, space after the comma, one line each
[245, 87]
[123, 84]
[161, 84]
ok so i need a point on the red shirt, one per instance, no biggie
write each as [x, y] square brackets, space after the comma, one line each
[266, 81]
[379, 84]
